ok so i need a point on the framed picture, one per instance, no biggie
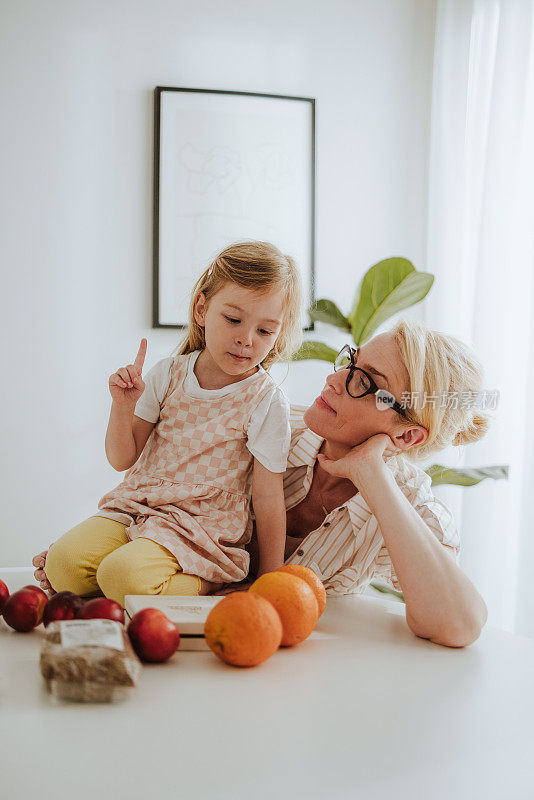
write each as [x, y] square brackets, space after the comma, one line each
[228, 167]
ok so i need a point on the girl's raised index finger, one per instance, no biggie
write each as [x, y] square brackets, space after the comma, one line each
[141, 353]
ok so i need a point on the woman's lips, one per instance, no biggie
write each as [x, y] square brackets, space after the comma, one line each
[239, 358]
[323, 404]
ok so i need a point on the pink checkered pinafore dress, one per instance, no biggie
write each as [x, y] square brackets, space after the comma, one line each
[190, 489]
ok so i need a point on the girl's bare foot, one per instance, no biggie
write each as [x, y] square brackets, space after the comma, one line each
[39, 561]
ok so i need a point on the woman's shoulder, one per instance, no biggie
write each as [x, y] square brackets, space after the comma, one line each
[298, 427]
[296, 417]
[304, 442]
[406, 470]
[416, 485]
[411, 478]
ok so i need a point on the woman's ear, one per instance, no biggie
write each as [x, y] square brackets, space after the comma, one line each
[411, 436]
[200, 309]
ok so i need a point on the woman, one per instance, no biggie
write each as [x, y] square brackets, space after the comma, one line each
[357, 505]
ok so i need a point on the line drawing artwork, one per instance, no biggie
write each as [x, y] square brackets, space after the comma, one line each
[230, 168]
[218, 168]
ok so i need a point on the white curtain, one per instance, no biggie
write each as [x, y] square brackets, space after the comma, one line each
[481, 250]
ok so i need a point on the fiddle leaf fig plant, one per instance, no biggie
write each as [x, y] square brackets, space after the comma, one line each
[327, 311]
[468, 476]
[387, 287]
[315, 350]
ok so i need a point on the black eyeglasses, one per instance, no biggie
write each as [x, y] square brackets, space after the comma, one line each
[360, 383]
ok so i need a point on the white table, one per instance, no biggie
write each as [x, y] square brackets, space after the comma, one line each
[362, 709]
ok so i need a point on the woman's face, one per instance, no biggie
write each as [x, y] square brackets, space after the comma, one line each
[348, 421]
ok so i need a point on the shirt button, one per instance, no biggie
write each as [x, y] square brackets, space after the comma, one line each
[326, 524]
[342, 508]
[300, 552]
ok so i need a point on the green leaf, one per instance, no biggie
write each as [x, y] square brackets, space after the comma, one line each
[317, 351]
[327, 311]
[387, 287]
[465, 477]
[401, 267]
[388, 590]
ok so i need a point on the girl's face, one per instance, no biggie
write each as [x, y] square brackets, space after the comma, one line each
[240, 325]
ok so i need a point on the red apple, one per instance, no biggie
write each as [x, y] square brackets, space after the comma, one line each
[102, 608]
[4, 594]
[33, 588]
[153, 636]
[41, 594]
[63, 605]
[24, 609]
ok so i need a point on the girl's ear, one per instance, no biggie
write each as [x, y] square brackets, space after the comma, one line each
[200, 309]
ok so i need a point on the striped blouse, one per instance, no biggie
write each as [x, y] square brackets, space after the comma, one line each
[347, 551]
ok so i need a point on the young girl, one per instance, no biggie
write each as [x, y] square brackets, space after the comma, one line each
[207, 432]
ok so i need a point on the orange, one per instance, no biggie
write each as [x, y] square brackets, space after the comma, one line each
[243, 629]
[311, 579]
[294, 601]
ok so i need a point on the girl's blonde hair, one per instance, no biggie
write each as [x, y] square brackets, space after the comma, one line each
[257, 266]
[441, 367]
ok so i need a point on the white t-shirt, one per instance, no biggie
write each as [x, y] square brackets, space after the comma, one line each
[269, 432]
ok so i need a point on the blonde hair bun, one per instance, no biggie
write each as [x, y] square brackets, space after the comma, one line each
[443, 366]
[476, 430]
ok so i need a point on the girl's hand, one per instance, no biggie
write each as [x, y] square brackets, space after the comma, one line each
[369, 455]
[126, 385]
[40, 575]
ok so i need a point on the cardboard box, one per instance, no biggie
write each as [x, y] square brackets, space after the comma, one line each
[189, 613]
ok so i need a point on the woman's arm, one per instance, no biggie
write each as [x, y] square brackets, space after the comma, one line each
[270, 513]
[441, 602]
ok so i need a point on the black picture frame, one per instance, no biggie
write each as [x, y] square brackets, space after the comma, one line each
[163, 263]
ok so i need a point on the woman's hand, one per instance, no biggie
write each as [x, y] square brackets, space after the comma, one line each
[40, 575]
[367, 456]
[126, 385]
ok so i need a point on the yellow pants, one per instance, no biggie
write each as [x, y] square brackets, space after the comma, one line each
[97, 557]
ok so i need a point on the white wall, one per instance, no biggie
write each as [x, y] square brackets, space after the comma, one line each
[77, 83]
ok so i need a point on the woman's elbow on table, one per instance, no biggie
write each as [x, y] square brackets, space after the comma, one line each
[455, 636]
[458, 638]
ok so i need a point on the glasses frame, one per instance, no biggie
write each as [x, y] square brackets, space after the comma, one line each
[353, 353]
